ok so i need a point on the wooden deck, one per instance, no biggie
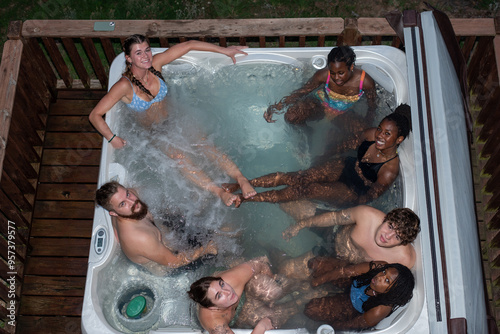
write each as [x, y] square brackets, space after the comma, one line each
[54, 282]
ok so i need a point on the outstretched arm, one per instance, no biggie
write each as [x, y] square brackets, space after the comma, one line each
[159, 253]
[342, 272]
[342, 217]
[316, 80]
[181, 49]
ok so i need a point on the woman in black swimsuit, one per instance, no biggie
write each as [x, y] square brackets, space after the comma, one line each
[344, 181]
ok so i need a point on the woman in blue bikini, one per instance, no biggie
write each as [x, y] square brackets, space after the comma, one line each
[331, 91]
[373, 290]
[143, 89]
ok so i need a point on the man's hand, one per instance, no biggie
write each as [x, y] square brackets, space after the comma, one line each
[263, 325]
[211, 248]
[291, 231]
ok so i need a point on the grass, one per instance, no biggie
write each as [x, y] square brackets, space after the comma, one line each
[228, 9]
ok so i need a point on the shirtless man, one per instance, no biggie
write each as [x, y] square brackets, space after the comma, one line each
[369, 234]
[219, 296]
[140, 239]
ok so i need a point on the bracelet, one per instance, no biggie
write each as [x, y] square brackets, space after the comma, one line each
[109, 141]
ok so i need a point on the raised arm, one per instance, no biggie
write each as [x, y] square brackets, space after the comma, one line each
[342, 217]
[181, 49]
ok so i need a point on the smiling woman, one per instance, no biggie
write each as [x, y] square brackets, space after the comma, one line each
[344, 181]
[143, 89]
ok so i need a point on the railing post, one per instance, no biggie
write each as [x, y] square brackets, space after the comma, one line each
[351, 35]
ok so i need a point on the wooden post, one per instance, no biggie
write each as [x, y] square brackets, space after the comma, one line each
[351, 34]
[496, 44]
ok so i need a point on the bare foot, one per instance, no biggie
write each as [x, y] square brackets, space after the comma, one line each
[229, 199]
[230, 187]
[246, 188]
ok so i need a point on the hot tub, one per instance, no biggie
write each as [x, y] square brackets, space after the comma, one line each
[391, 69]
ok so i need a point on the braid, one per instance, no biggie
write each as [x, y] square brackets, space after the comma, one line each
[155, 72]
[128, 73]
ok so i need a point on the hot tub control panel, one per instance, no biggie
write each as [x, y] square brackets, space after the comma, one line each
[100, 241]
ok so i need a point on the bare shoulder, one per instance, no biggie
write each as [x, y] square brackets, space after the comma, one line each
[212, 322]
[366, 212]
[221, 329]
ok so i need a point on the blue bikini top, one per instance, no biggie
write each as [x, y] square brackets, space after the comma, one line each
[358, 296]
[139, 104]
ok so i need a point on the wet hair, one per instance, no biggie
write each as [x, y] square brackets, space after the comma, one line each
[127, 48]
[105, 192]
[199, 289]
[342, 54]
[399, 293]
[405, 222]
[401, 116]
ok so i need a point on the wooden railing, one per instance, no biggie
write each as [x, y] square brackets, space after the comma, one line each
[42, 56]
[24, 104]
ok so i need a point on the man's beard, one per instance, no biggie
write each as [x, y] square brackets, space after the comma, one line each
[139, 215]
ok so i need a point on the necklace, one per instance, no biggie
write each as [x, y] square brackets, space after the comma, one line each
[380, 152]
[143, 80]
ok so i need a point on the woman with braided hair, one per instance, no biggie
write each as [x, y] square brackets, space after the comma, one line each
[143, 89]
[373, 290]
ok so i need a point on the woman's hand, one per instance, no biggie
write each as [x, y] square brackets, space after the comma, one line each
[233, 50]
[118, 142]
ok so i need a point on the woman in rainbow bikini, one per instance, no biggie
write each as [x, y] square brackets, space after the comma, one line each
[330, 92]
[143, 89]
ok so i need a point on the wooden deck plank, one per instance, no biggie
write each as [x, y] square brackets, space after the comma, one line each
[52, 325]
[66, 191]
[61, 228]
[64, 210]
[72, 107]
[48, 305]
[77, 123]
[85, 140]
[54, 286]
[80, 94]
[60, 247]
[54, 157]
[56, 266]
[59, 174]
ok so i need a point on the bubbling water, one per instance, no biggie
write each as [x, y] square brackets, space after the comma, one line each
[222, 107]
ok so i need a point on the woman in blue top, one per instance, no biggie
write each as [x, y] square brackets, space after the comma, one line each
[373, 290]
[143, 89]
